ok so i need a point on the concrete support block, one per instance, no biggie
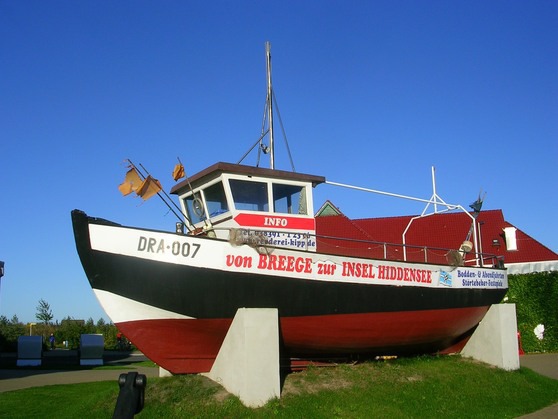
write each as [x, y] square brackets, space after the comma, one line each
[495, 339]
[29, 351]
[164, 373]
[248, 362]
[92, 348]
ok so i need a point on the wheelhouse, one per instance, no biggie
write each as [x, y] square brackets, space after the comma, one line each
[226, 196]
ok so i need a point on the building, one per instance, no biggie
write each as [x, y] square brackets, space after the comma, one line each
[429, 238]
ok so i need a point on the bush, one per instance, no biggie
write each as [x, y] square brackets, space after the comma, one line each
[10, 331]
[70, 330]
[536, 299]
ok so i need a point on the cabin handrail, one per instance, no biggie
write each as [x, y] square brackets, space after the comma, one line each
[474, 258]
[482, 257]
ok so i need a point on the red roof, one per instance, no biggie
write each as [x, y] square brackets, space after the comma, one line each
[435, 231]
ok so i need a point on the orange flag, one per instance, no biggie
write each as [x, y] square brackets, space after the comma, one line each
[148, 188]
[178, 172]
[132, 182]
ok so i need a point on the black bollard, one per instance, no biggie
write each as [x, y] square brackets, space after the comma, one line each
[131, 397]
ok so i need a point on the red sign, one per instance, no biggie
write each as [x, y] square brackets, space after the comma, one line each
[275, 222]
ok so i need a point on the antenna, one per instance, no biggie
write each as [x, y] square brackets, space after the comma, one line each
[267, 121]
[269, 102]
[434, 188]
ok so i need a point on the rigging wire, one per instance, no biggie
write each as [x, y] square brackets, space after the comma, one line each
[251, 148]
[284, 134]
[168, 197]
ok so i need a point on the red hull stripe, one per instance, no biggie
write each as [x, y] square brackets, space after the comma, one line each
[190, 346]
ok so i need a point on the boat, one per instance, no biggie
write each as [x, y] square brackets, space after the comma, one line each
[248, 237]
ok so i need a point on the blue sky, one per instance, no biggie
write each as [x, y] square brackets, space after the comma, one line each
[371, 93]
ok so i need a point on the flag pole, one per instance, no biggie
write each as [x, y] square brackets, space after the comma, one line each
[159, 193]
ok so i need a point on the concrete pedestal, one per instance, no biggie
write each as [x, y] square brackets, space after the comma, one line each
[248, 362]
[495, 339]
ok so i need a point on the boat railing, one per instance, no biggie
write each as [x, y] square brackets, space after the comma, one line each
[347, 246]
[404, 252]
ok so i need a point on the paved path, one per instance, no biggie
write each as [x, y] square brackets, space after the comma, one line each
[19, 379]
[544, 364]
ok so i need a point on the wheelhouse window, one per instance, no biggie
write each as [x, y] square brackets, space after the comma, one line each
[211, 200]
[289, 199]
[215, 199]
[194, 206]
[249, 195]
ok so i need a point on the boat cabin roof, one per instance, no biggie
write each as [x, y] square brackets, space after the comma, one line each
[218, 168]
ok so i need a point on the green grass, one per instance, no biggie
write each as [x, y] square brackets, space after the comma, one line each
[426, 387]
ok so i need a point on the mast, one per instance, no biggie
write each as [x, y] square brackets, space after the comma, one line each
[269, 104]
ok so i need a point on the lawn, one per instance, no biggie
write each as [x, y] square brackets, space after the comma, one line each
[425, 387]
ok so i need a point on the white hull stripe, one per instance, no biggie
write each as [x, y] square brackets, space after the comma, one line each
[122, 309]
[220, 255]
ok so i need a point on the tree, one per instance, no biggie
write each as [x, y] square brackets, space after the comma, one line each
[70, 330]
[89, 326]
[44, 313]
[10, 331]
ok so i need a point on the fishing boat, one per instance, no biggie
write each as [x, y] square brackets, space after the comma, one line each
[248, 237]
